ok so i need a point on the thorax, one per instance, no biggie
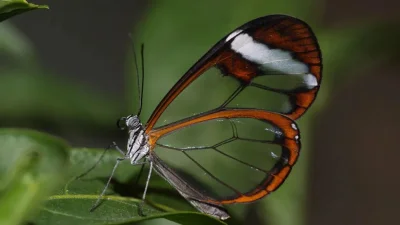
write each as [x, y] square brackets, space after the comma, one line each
[137, 146]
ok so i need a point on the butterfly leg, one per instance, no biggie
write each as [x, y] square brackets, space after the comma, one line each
[112, 145]
[96, 204]
[141, 171]
[145, 189]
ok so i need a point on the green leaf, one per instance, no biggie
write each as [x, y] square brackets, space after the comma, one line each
[71, 204]
[74, 209]
[115, 210]
[32, 165]
[192, 218]
[9, 8]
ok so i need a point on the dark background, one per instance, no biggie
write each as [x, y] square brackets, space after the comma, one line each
[72, 79]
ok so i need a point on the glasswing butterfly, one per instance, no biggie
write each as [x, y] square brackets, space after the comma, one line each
[276, 54]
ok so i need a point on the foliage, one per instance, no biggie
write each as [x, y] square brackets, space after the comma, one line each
[34, 166]
[9, 8]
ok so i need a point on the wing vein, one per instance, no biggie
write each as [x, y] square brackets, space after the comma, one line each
[240, 161]
[211, 175]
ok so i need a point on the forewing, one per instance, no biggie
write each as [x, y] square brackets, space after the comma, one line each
[272, 63]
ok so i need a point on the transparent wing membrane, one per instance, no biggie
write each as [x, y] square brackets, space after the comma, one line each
[226, 158]
[207, 92]
[272, 63]
[255, 97]
[225, 132]
[213, 90]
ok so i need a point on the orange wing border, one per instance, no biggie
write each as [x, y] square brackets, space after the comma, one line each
[290, 143]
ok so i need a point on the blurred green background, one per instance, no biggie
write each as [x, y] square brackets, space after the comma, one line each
[68, 71]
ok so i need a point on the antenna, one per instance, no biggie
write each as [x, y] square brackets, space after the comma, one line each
[141, 90]
[140, 85]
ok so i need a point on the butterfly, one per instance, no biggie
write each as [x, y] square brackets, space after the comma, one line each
[276, 55]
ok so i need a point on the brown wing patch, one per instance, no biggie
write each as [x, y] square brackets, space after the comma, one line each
[232, 64]
[276, 32]
[295, 36]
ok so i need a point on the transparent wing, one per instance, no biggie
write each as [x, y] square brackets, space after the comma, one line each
[229, 155]
[272, 63]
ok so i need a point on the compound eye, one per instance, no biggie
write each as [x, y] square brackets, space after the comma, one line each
[121, 123]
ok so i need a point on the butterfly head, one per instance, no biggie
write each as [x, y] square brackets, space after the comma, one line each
[130, 122]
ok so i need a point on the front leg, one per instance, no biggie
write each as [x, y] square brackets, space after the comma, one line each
[114, 145]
